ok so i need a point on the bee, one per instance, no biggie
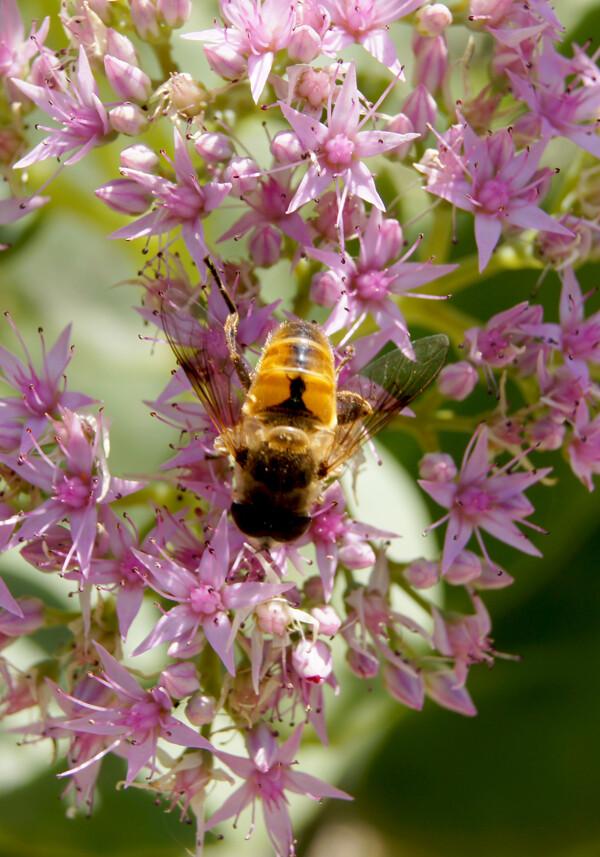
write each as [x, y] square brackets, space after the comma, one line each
[288, 424]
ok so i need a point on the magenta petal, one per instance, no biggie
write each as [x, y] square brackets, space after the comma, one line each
[8, 602]
[248, 594]
[487, 234]
[218, 629]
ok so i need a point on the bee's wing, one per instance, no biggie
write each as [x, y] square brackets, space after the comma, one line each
[199, 344]
[388, 384]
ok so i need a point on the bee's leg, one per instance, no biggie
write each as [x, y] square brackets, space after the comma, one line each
[346, 357]
[351, 407]
[241, 367]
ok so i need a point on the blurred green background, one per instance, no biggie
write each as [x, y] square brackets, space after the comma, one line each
[520, 779]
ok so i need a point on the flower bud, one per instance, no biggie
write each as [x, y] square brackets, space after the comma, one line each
[180, 679]
[437, 467]
[119, 46]
[243, 175]
[363, 662]
[145, 19]
[304, 44]
[443, 688]
[313, 589]
[390, 238]
[328, 619]
[213, 147]
[431, 61]
[264, 244]
[125, 196]
[314, 86]
[140, 157]
[128, 81]
[326, 288]
[546, 433]
[433, 20]
[286, 147]
[312, 661]
[458, 380]
[225, 61]
[465, 568]
[422, 573]
[175, 13]
[355, 552]
[353, 216]
[400, 124]
[404, 685]
[128, 118]
[201, 709]
[420, 107]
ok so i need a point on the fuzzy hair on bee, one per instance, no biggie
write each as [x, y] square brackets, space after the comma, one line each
[287, 423]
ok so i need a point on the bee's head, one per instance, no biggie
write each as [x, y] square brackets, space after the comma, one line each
[269, 521]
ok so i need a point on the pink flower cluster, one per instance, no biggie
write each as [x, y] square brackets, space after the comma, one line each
[248, 632]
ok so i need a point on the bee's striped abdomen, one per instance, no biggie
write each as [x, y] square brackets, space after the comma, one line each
[295, 376]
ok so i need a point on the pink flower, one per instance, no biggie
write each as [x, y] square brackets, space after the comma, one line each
[496, 184]
[368, 282]
[584, 449]
[136, 718]
[16, 50]
[76, 483]
[338, 148]
[40, 394]
[254, 31]
[267, 775]
[205, 597]
[482, 498]
[367, 23]
[81, 114]
[564, 110]
[180, 203]
[577, 337]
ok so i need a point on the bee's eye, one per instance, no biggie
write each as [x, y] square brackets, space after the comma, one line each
[265, 520]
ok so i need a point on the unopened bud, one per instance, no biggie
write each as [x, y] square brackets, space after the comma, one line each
[421, 108]
[243, 175]
[264, 244]
[128, 118]
[433, 20]
[437, 467]
[180, 679]
[201, 709]
[458, 380]
[406, 686]
[225, 61]
[304, 44]
[145, 19]
[140, 157]
[422, 573]
[213, 147]
[465, 568]
[364, 662]
[175, 13]
[286, 147]
[129, 82]
[312, 661]
[326, 288]
[328, 619]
